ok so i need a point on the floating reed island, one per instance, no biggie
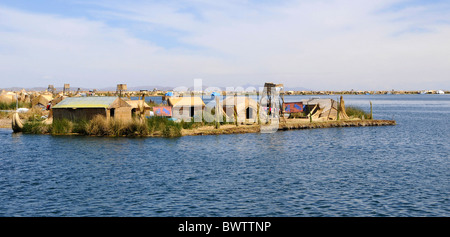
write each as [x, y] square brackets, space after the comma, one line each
[120, 116]
[163, 127]
[291, 125]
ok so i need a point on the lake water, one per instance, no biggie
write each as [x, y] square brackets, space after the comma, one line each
[400, 170]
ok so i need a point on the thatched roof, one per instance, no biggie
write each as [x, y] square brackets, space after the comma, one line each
[327, 108]
[241, 102]
[138, 103]
[58, 99]
[42, 99]
[6, 98]
[186, 101]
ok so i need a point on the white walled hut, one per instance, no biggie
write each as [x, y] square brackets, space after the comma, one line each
[185, 108]
[244, 107]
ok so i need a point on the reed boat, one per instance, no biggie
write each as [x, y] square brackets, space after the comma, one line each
[17, 124]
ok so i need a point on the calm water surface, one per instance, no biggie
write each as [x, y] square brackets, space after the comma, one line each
[398, 170]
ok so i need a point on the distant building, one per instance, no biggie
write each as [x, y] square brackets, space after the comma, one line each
[77, 108]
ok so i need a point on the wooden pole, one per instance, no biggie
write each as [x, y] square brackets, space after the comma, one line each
[17, 102]
[257, 112]
[217, 112]
[338, 109]
[307, 106]
[235, 109]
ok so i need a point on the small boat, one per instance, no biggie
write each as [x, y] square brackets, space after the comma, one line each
[17, 124]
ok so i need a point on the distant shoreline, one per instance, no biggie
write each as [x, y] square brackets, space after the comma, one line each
[207, 92]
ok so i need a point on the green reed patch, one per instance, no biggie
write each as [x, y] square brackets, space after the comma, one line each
[61, 126]
[168, 127]
[12, 105]
[356, 112]
[100, 126]
[35, 127]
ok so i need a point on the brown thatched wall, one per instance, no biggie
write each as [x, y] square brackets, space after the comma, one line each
[122, 113]
[76, 108]
[78, 114]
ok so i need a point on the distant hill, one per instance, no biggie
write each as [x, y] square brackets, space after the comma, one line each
[74, 88]
[27, 89]
[149, 88]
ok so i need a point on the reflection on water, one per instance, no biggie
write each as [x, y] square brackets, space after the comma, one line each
[367, 171]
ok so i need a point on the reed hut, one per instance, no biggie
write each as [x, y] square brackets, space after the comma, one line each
[139, 107]
[78, 108]
[58, 99]
[245, 108]
[185, 108]
[7, 97]
[325, 109]
[41, 100]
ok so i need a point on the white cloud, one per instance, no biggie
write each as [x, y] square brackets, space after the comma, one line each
[314, 44]
[37, 48]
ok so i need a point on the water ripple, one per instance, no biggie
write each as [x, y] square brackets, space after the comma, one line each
[368, 171]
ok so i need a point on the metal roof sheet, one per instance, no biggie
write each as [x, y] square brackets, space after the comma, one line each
[86, 102]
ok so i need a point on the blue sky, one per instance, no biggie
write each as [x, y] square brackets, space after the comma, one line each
[321, 45]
